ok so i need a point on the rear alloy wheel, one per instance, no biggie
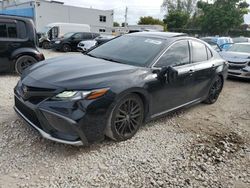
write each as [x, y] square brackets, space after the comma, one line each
[214, 91]
[46, 45]
[126, 118]
[23, 63]
[66, 48]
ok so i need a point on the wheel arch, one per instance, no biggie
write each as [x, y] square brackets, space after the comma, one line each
[142, 93]
[22, 52]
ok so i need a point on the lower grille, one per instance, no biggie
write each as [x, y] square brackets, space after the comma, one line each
[27, 112]
[236, 67]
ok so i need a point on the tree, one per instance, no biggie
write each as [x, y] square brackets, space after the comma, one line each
[178, 12]
[116, 24]
[223, 15]
[149, 20]
[176, 19]
[187, 6]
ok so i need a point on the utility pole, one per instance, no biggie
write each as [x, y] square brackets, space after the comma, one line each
[126, 17]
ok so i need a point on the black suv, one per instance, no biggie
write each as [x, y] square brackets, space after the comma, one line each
[70, 41]
[18, 44]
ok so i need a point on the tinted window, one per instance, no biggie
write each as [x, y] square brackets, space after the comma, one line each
[78, 36]
[199, 52]
[22, 32]
[87, 36]
[132, 50]
[8, 30]
[3, 30]
[178, 54]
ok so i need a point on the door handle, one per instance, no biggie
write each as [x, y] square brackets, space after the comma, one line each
[191, 71]
[15, 45]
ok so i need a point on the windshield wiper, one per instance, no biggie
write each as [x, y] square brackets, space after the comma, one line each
[91, 55]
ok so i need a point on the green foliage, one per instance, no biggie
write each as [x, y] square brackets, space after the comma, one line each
[149, 20]
[178, 12]
[116, 24]
[187, 6]
[222, 16]
[176, 19]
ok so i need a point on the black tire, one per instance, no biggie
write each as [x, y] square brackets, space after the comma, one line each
[66, 48]
[126, 118]
[214, 91]
[24, 62]
[46, 45]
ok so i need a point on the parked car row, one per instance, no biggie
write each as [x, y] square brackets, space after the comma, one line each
[58, 30]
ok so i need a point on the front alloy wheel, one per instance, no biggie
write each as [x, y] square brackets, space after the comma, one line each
[215, 91]
[126, 118]
[66, 48]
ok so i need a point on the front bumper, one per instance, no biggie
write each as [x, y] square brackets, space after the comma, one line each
[46, 135]
[239, 70]
[69, 122]
[55, 46]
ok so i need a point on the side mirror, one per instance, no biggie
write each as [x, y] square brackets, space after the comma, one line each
[168, 74]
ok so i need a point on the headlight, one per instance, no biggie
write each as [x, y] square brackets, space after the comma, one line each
[58, 42]
[77, 95]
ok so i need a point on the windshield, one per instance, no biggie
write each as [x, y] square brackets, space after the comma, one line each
[67, 35]
[131, 50]
[244, 48]
[45, 29]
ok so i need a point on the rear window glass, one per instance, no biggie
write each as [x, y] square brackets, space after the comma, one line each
[22, 32]
[199, 52]
[8, 30]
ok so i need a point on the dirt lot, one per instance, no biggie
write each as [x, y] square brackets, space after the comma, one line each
[203, 146]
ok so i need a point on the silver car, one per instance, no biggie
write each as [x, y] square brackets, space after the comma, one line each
[238, 57]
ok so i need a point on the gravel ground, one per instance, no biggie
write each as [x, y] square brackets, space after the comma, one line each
[203, 146]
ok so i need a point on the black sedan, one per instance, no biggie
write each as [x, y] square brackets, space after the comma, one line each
[115, 88]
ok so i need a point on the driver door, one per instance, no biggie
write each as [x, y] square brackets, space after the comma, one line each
[76, 39]
[168, 96]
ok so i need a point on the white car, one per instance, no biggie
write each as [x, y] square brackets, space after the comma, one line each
[86, 45]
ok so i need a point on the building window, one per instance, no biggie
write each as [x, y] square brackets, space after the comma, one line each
[102, 18]
[102, 30]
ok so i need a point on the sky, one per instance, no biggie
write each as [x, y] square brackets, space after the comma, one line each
[136, 8]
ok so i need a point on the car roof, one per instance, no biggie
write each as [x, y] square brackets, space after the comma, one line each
[162, 35]
[2, 16]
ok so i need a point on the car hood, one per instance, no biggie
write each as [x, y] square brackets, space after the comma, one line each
[235, 56]
[76, 71]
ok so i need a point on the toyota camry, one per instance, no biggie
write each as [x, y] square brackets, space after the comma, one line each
[117, 87]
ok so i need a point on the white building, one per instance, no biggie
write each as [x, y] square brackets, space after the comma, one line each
[45, 12]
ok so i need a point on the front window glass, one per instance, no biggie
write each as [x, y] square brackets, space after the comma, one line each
[176, 55]
[132, 50]
[244, 48]
[68, 35]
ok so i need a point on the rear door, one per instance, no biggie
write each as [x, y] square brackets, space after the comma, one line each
[8, 42]
[205, 68]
